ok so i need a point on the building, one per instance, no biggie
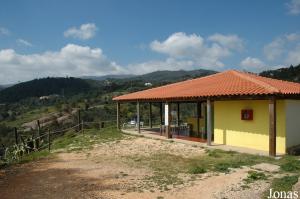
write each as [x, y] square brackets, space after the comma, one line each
[240, 109]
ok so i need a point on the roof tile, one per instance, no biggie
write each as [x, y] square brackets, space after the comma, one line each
[227, 83]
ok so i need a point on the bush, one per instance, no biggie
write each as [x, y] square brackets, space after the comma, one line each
[285, 183]
[222, 167]
[197, 170]
[254, 176]
[291, 166]
[213, 153]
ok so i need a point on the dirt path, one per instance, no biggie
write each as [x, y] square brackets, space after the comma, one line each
[99, 173]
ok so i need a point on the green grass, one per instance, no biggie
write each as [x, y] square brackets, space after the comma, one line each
[197, 170]
[30, 116]
[290, 164]
[35, 156]
[282, 184]
[285, 183]
[74, 141]
[254, 176]
[223, 167]
[223, 161]
[166, 166]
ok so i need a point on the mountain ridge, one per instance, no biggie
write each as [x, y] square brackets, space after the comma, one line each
[44, 87]
[291, 73]
[118, 83]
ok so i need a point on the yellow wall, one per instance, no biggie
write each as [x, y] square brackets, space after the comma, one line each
[229, 129]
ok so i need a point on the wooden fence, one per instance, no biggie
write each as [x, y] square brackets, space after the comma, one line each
[44, 140]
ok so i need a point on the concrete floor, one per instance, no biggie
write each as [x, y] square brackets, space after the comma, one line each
[153, 135]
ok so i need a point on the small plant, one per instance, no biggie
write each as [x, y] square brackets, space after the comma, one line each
[291, 166]
[14, 154]
[197, 170]
[254, 176]
[213, 153]
[285, 183]
[222, 167]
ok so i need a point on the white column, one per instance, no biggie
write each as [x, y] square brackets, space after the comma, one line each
[167, 119]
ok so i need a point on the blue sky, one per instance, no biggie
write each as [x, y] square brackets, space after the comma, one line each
[74, 38]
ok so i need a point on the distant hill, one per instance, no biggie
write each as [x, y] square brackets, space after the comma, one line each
[43, 87]
[172, 76]
[291, 73]
[5, 86]
[105, 84]
[157, 76]
[105, 77]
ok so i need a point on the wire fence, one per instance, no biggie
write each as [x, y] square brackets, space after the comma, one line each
[32, 143]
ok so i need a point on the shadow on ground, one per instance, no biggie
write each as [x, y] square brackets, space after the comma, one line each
[36, 180]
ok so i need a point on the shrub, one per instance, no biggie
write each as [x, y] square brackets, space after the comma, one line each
[291, 166]
[222, 167]
[254, 176]
[197, 170]
[213, 153]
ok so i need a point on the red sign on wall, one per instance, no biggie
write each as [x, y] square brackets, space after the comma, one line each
[247, 114]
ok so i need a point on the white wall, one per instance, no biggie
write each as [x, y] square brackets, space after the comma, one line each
[292, 123]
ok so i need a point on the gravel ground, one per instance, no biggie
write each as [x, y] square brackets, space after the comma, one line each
[101, 173]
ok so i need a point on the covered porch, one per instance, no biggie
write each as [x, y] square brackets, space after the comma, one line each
[224, 107]
[154, 134]
[172, 123]
[157, 133]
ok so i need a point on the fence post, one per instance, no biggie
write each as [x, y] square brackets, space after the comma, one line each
[39, 132]
[16, 135]
[82, 126]
[49, 140]
[79, 120]
[38, 127]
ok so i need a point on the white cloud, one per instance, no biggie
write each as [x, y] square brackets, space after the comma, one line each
[228, 41]
[274, 49]
[284, 49]
[71, 60]
[293, 7]
[202, 52]
[293, 36]
[84, 32]
[293, 56]
[253, 64]
[4, 31]
[24, 42]
[154, 65]
[179, 44]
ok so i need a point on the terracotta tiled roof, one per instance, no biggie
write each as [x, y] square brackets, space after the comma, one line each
[228, 83]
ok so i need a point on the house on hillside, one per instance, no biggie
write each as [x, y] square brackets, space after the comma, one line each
[233, 108]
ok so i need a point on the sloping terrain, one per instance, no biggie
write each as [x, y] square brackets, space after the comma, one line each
[44, 87]
[120, 166]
